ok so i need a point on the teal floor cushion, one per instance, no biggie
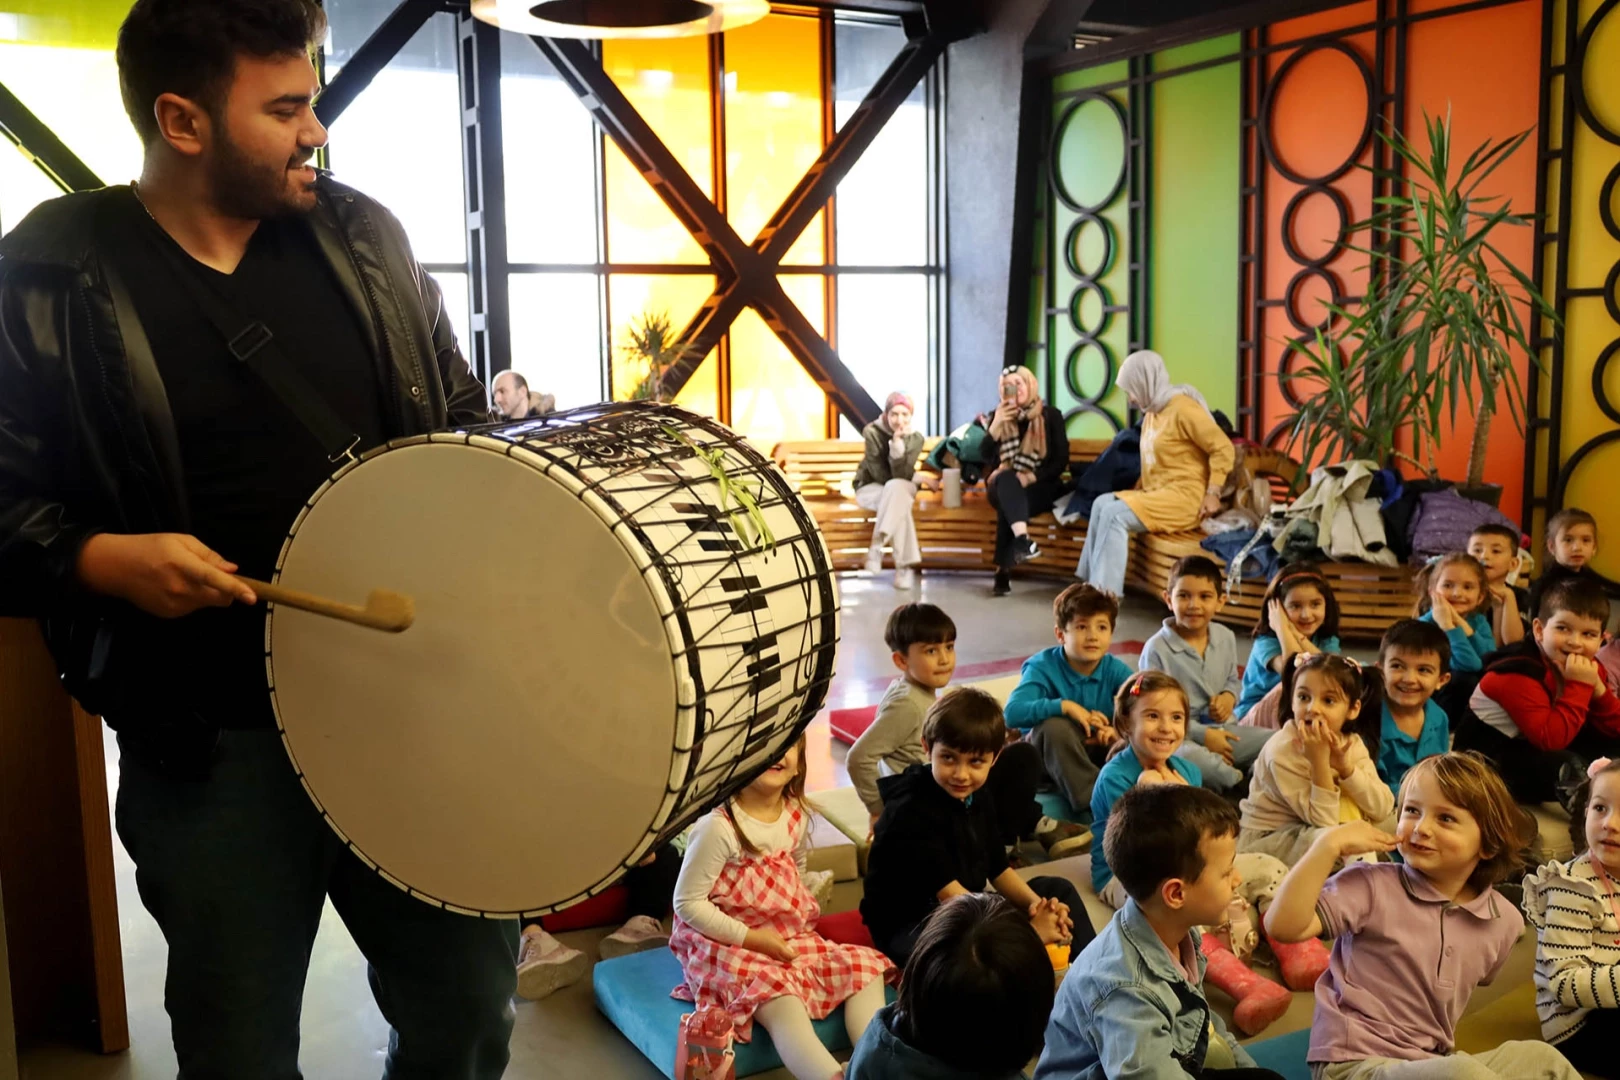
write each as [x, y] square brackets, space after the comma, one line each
[1284, 1054]
[633, 992]
[1055, 806]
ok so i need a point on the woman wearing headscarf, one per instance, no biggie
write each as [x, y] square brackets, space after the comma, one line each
[887, 481]
[1185, 459]
[1034, 454]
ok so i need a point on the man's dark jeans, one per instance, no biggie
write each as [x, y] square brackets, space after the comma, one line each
[236, 869]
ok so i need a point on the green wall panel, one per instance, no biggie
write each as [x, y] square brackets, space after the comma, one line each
[1194, 204]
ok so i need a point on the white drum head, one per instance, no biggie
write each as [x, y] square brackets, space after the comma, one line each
[441, 750]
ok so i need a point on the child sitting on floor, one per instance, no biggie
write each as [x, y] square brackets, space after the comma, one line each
[1543, 710]
[1453, 594]
[1414, 658]
[745, 926]
[1575, 908]
[1132, 1004]
[978, 968]
[922, 639]
[1411, 940]
[1299, 614]
[1497, 549]
[1572, 541]
[938, 838]
[1065, 694]
[1319, 769]
[1202, 656]
[1150, 713]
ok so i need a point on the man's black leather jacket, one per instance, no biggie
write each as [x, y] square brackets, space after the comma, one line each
[87, 442]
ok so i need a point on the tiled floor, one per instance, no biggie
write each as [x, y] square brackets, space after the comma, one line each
[563, 1037]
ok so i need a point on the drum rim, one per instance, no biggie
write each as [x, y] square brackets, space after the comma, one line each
[684, 648]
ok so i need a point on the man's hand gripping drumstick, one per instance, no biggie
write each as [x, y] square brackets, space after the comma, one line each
[170, 575]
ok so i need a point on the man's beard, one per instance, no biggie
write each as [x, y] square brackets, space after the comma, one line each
[248, 189]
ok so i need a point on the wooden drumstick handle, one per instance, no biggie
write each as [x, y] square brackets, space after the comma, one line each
[385, 609]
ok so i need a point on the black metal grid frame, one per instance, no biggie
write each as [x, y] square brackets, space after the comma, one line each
[1545, 493]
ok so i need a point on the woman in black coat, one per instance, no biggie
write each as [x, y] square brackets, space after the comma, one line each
[1034, 449]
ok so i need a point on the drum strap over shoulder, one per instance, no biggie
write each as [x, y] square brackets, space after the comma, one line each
[252, 343]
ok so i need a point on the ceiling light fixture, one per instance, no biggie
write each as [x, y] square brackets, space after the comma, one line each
[620, 18]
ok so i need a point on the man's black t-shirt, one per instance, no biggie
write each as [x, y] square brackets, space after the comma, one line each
[249, 463]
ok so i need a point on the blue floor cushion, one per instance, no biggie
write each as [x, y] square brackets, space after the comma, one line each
[1055, 806]
[633, 992]
[1284, 1054]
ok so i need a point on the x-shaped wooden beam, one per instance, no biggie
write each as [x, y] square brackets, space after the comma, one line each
[746, 274]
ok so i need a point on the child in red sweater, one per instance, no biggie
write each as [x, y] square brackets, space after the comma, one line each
[1544, 710]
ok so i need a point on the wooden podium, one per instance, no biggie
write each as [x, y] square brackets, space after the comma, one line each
[58, 895]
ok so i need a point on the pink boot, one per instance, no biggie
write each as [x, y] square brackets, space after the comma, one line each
[1259, 1000]
[1302, 964]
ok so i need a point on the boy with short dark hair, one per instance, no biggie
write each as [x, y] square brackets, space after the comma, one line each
[1065, 695]
[1497, 549]
[922, 641]
[1201, 654]
[938, 835]
[1544, 710]
[1133, 1002]
[1415, 659]
[1572, 541]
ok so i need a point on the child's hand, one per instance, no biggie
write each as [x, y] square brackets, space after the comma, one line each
[1102, 728]
[1080, 715]
[1065, 920]
[1219, 742]
[1358, 838]
[771, 944]
[1221, 706]
[1048, 923]
[1316, 742]
[1582, 669]
[1502, 593]
[1162, 775]
[1445, 616]
[1277, 619]
[1340, 757]
[871, 827]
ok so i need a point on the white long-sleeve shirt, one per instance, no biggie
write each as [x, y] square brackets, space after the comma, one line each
[713, 844]
[1283, 793]
[1577, 946]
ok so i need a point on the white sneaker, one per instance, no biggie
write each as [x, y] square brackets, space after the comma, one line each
[874, 558]
[640, 933]
[905, 577]
[546, 965]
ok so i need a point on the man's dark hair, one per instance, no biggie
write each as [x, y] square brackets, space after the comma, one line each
[966, 720]
[917, 624]
[1491, 528]
[1576, 596]
[1154, 832]
[1082, 600]
[1196, 566]
[978, 967]
[189, 48]
[1417, 636]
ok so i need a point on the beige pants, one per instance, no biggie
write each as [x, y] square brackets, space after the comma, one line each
[894, 527]
[1510, 1061]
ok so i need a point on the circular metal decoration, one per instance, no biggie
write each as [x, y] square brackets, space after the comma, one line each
[1061, 184]
[1074, 246]
[1606, 201]
[1600, 392]
[1091, 408]
[1075, 370]
[1268, 142]
[1290, 216]
[1583, 104]
[1076, 302]
[1291, 303]
[1285, 367]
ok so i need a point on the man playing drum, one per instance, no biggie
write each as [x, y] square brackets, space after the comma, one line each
[143, 462]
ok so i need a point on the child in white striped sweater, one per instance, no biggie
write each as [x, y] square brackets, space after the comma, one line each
[1575, 908]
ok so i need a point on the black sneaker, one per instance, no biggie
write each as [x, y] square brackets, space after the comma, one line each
[1003, 584]
[1023, 549]
[1571, 775]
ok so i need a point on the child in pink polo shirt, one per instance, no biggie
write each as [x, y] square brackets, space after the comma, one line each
[1413, 939]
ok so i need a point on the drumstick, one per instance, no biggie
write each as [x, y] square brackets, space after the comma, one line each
[385, 609]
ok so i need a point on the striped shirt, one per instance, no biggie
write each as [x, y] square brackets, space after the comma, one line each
[1577, 946]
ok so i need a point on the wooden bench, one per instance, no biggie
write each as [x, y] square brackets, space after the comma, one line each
[1370, 597]
[959, 538]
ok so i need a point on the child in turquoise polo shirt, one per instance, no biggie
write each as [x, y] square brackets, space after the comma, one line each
[1415, 659]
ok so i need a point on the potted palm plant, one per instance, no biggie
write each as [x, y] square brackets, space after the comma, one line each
[651, 343]
[1439, 330]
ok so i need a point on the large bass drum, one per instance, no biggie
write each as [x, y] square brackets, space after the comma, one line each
[623, 614]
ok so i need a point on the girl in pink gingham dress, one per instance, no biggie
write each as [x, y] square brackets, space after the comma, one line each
[745, 927]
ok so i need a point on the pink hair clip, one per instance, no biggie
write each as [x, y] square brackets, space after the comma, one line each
[1596, 767]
